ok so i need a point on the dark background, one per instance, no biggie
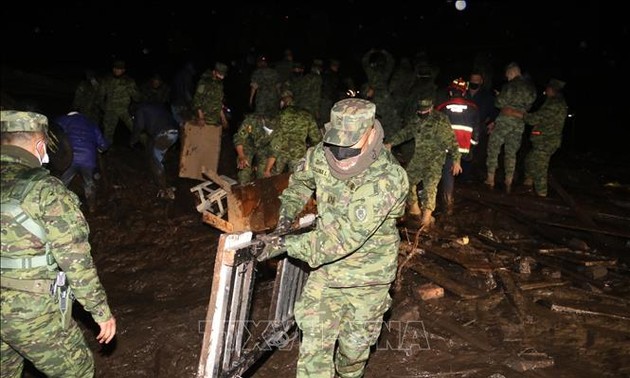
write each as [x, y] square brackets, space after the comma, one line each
[581, 44]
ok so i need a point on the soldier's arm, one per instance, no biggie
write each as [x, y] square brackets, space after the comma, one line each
[540, 116]
[403, 135]
[68, 233]
[300, 189]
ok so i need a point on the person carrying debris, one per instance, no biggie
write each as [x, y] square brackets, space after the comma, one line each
[42, 268]
[156, 120]
[360, 191]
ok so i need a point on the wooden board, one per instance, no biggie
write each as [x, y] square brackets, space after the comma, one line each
[201, 147]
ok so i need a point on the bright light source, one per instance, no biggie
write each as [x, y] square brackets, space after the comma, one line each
[460, 5]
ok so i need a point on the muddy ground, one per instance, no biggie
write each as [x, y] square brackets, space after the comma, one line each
[568, 317]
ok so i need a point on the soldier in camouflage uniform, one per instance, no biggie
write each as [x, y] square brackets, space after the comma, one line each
[264, 92]
[251, 142]
[360, 190]
[517, 94]
[85, 99]
[116, 94]
[208, 97]
[434, 141]
[378, 66]
[309, 96]
[546, 136]
[32, 255]
[294, 128]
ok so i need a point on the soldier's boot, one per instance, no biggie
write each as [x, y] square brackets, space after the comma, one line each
[414, 210]
[490, 180]
[427, 220]
[508, 186]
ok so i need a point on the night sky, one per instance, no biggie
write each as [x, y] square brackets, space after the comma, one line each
[581, 44]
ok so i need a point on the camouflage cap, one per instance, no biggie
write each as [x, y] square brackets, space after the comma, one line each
[120, 64]
[221, 68]
[16, 121]
[425, 104]
[350, 118]
[286, 93]
[556, 84]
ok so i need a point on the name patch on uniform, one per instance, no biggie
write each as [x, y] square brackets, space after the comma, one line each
[361, 213]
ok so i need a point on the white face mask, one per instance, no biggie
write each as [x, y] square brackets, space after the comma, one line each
[46, 158]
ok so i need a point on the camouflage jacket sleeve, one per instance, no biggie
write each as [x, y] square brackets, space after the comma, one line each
[300, 189]
[243, 134]
[406, 133]
[68, 233]
[550, 117]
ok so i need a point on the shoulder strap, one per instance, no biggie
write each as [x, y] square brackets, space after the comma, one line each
[12, 206]
[18, 192]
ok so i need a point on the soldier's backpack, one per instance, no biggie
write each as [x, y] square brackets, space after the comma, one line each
[11, 207]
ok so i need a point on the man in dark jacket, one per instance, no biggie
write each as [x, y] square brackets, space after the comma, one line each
[86, 139]
[157, 121]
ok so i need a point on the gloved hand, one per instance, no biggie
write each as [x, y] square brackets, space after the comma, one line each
[274, 246]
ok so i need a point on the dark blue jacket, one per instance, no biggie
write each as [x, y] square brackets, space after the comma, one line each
[85, 138]
[153, 119]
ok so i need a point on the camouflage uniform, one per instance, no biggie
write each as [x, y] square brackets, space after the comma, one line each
[267, 94]
[434, 140]
[518, 94]
[116, 95]
[353, 249]
[209, 98]
[30, 316]
[294, 126]
[309, 95]
[546, 138]
[255, 140]
[378, 75]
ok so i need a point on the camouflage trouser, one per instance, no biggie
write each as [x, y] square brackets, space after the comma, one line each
[28, 333]
[537, 165]
[429, 173]
[352, 317]
[508, 134]
[110, 121]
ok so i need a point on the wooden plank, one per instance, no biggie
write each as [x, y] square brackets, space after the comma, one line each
[474, 339]
[594, 229]
[525, 286]
[584, 308]
[436, 273]
[580, 257]
[474, 261]
[201, 147]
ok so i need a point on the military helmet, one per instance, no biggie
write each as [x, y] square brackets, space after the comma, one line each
[120, 64]
[458, 86]
[350, 118]
[221, 68]
[425, 104]
[286, 93]
[19, 121]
